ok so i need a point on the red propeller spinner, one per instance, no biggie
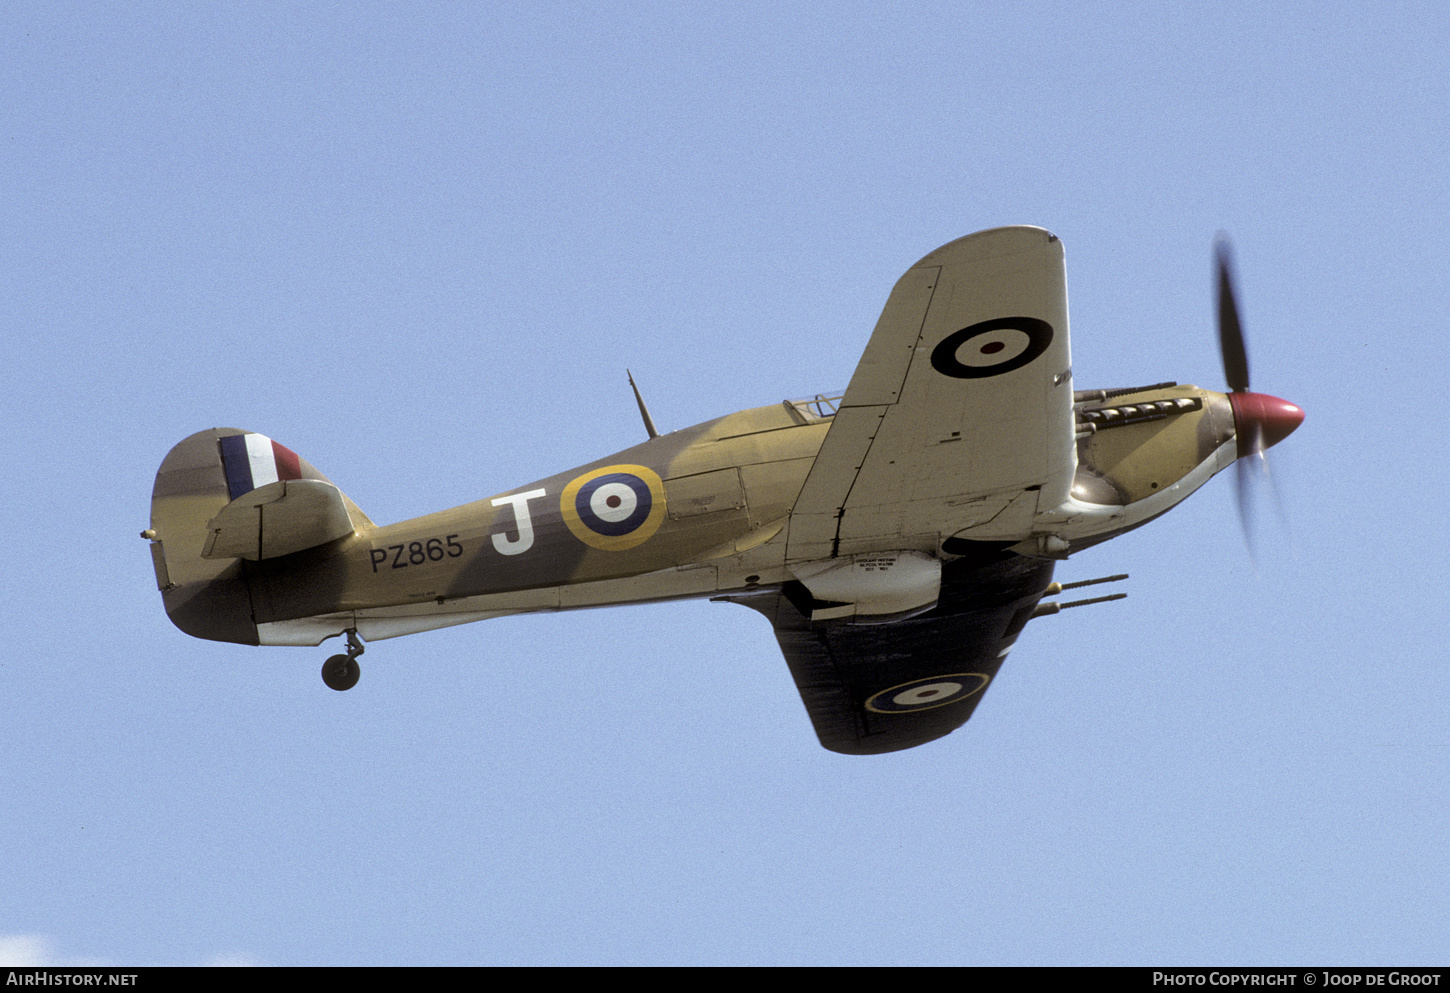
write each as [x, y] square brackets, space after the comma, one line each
[1262, 421]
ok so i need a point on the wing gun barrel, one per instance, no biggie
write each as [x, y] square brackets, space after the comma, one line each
[1048, 609]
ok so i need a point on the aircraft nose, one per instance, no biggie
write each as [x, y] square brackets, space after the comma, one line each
[1262, 421]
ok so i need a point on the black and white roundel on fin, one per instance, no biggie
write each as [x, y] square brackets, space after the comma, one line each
[991, 348]
[927, 693]
[614, 508]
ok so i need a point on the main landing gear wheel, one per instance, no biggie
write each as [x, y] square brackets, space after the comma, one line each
[341, 672]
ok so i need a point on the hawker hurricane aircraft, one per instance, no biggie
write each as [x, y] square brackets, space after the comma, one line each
[898, 536]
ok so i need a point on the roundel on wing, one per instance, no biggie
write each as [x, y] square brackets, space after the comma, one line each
[614, 508]
[991, 348]
[928, 693]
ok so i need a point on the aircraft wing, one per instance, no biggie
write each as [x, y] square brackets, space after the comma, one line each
[958, 420]
[872, 688]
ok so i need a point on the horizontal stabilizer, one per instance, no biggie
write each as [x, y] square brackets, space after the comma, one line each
[278, 519]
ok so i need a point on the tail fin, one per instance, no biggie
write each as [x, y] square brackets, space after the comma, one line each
[223, 496]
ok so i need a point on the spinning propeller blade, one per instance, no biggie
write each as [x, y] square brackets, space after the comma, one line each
[1260, 421]
[1230, 329]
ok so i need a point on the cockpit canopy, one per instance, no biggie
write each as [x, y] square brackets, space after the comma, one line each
[816, 408]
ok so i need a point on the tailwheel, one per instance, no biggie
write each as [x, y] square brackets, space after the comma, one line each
[341, 672]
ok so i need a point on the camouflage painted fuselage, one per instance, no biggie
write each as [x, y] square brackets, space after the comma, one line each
[698, 512]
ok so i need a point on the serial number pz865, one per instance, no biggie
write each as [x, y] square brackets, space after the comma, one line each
[417, 552]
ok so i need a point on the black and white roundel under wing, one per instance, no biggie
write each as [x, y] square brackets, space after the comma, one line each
[959, 414]
[873, 688]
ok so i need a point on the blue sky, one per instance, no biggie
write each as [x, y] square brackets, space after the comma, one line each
[420, 247]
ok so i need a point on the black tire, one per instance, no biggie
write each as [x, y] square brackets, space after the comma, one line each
[341, 672]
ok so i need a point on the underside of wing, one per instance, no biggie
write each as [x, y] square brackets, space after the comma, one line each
[958, 419]
[872, 688]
